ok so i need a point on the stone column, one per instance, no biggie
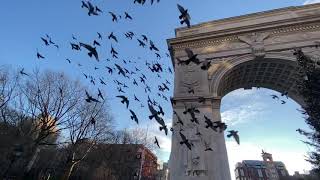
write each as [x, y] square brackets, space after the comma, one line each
[208, 165]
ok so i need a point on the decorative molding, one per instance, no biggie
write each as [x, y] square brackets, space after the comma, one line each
[234, 38]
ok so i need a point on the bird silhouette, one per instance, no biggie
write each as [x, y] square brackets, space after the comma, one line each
[112, 36]
[124, 100]
[185, 141]
[144, 38]
[92, 50]
[75, 47]
[23, 73]
[178, 118]
[209, 123]
[153, 47]
[90, 99]
[274, 97]
[114, 52]
[39, 56]
[222, 126]
[136, 99]
[141, 43]
[134, 116]
[102, 82]
[45, 41]
[120, 70]
[156, 142]
[114, 17]
[235, 135]
[96, 43]
[91, 9]
[160, 110]
[184, 15]
[99, 35]
[155, 115]
[127, 16]
[100, 94]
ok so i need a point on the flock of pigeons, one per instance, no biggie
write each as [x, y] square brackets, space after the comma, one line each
[128, 73]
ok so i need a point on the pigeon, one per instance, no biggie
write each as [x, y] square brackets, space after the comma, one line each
[112, 36]
[156, 142]
[178, 117]
[114, 17]
[39, 56]
[192, 57]
[100, 94]
[274, 97]
[23, 73]
[96, 43]
[90, 99]
[92, 50]
[120, 69]
[75, 47]
[144, 38]
[185, 141]
[127, 16]
[136, 99]
[124, 100]
[222, 126]
[45, 41]
[235, 135]
[99, 35]
[86, 76]
[134, 116]
[184, 16]
[90, 7]
[153, 47]
[160, 110]
[154, 114]
[141, 43]
[102, 82]
[209, 123]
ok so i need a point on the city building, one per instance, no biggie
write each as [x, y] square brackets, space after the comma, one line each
[163, 173]
[267, 169]
[104, 162]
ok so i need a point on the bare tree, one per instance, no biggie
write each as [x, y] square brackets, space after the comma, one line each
[134, 136]
[89, 124]
[8, 85]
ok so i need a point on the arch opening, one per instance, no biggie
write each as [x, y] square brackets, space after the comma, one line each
[275, 74]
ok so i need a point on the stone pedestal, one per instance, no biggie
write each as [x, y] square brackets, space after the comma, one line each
[213, 165]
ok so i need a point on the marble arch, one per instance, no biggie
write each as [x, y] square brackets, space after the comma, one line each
[254, 50]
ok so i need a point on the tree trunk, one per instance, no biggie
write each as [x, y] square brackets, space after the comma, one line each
[69, 170]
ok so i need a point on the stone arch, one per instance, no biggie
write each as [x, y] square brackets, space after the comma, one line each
[216, 85]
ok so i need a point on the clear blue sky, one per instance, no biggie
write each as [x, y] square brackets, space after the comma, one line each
[263, 125]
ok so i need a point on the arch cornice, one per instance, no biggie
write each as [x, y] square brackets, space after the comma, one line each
[228, 65]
